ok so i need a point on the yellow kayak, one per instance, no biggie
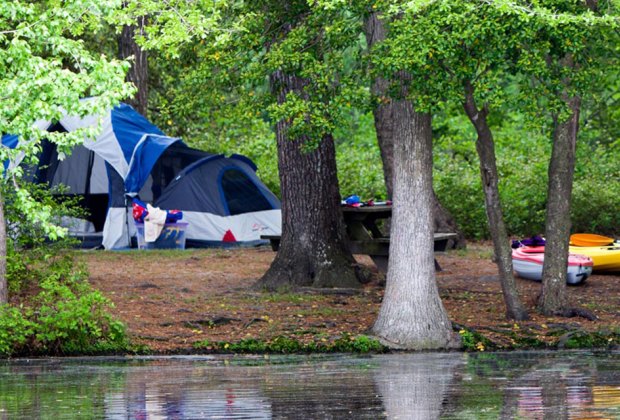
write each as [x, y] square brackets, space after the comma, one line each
[605, 258]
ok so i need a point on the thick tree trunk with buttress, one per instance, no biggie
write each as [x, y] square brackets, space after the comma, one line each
[412, 315]
[313, 252]
[383, 113]
[488, 172]
[4, 293]
[138, 73]
[553, 299]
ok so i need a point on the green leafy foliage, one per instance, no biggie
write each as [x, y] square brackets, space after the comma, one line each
[15, 329]
[588, 340]
[474, 341]
[45, 69]
[73, 319]
[52, 308]
[358, 158]
[285, 345]
[523, 157]
[440, 44]
[595, 206]
[59, 313]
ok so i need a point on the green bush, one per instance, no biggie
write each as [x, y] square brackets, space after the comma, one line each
[15, 329]
[60, 314]
[522, 161]
[52, 308]
[73, 319]
[595, 205]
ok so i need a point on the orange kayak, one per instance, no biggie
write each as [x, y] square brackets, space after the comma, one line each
[590, 239]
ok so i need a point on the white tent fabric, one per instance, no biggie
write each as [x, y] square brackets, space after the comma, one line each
[247, 227]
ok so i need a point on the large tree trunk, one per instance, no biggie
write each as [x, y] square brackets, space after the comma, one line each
[553, 299]
[412, 315]
[383, 113]
[312, 251]
[4, 294]
[488, 172]
[138, 73]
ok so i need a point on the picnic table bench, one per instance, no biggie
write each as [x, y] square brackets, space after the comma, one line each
[364, 235]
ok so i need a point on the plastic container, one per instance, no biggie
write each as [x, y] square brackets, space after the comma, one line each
[172, 236]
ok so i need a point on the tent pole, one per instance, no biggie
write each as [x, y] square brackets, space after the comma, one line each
[127, 222]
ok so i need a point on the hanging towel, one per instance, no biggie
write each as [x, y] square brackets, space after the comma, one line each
[153, 223]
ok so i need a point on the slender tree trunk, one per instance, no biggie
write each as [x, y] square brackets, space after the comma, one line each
[138, 73]
[553, 299]
[412, 315]
[383, 113]
[4, 294]
[312, 251]
[383, 110]
[488, 172]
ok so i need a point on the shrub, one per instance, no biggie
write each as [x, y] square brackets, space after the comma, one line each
[60, 314]
[53, 309]
[522, 161]
[73, 319]
[15, 329]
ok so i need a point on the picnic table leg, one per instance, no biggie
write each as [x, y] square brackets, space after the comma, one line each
[381, 262]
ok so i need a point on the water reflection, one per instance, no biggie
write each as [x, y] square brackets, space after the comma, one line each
[416, 385]
[528, 385]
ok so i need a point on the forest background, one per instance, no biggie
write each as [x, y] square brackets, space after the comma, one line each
[207, 112]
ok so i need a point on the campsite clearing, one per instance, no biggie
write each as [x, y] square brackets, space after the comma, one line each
[173, 299]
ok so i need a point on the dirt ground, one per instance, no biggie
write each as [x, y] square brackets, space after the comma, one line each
[170, 300]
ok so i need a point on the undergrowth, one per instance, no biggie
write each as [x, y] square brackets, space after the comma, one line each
[52, 309]
[285, 345]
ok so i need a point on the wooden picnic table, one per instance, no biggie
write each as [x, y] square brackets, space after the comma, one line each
[364, 234]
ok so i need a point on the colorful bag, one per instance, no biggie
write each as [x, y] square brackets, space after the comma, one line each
[139, 211]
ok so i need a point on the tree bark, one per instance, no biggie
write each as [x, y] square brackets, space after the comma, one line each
[488, 172]
[383, 110]
[4, 293]
[553, 299]
[138, 73]
[412, 315]
[313, 250]
[383, 113]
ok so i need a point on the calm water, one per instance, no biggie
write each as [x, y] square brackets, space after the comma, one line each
[527, 385]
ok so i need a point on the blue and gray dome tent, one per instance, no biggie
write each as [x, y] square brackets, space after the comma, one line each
[222, 199]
